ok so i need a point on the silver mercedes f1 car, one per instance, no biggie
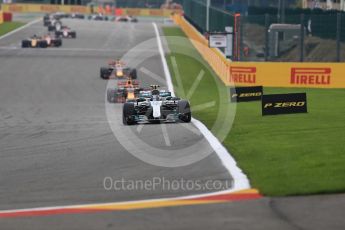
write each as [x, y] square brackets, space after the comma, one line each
[156, 106]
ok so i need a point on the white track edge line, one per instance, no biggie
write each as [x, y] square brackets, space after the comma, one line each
[164, 61]
[240, 179]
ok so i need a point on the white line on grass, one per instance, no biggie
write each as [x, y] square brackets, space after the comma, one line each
[195, 84]
[240, 179]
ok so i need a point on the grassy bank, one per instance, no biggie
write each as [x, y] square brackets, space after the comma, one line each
[9, 26]
[282, 155]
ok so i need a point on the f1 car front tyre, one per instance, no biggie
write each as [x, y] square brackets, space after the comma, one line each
[58, 34]
[51, 28]
[128, 112]
[133, 74]
[43, 44]
[105, 73]
[58, 42]
[185, 114]
[25, 44]
[46, 22]
[111, 96]
[73, 34]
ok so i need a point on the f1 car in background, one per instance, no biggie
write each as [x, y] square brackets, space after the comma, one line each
[41, 42]
[65, 32]
[126, 19]
[126, 90]
[77, 16]
[47, 19]
[50, 19]
[156, 106]
[55, 26]
[51, 22]
[60, 15]
[98, 17]
[61, 30]
[117, 69]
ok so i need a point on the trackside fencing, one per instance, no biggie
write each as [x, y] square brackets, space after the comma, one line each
[271, 74]
[213, 56]
[308, 35]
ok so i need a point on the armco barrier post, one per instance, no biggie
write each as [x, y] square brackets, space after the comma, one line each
[267, 25]
[237, 37]
[208, 15]
[241, 37]
[302, 39]
[338, 36]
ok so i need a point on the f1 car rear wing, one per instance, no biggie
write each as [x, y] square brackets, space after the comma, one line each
[134, 83]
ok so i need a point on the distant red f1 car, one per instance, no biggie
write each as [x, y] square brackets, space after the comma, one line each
[125, 90]
[66, 32]
[117, 69]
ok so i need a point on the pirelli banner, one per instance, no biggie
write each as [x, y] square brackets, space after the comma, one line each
[288, 74]
[45, 8]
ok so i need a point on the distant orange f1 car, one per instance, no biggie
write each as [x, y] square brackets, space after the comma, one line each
[41, 42]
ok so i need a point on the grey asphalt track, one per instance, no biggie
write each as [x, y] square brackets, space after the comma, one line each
[57, 147]
[56, 143]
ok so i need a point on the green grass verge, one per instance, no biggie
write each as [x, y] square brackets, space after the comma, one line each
[9, 26]
[282, 155]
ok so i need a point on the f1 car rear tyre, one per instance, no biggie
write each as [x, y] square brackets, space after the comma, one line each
[25, 44]
[105, 73]
[111, 96]
[184, 111]
[73, 34]
[58, 42]
[51, 28]
[43, 44]
[128, 112]
[58, 33]
[133, 74]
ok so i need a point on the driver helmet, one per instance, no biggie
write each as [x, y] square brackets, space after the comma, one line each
[155, 95]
